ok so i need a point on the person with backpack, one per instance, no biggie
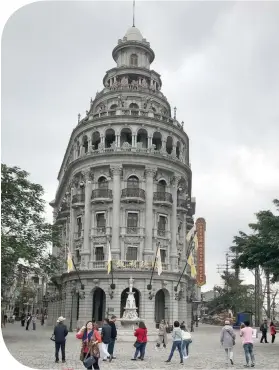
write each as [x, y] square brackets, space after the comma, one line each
[227, 339]
[272, 331]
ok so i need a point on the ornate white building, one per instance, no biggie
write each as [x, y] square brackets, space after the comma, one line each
[125, 181]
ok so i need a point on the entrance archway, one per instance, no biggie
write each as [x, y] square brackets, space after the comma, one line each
[162, 305]
[99, 304]
[123, 300]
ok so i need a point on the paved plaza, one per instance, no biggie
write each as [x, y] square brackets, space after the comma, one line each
[36, 350]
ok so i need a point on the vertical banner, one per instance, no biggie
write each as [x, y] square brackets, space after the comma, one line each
[200, 229]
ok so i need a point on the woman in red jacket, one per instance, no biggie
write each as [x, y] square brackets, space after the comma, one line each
[90, 337]
[272, 332]
[140, 344]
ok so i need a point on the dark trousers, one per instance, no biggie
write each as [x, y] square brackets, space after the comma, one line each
[111, 346]
[57, 347]
[264, 336]
[27, 325]
[96, 363]
[22, 322]
[140, 349]
[177, 345]
[273, 338]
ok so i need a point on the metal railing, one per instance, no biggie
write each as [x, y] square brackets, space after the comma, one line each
[181, 203]
[161, 196]
[132, 230]
[101, 193]
[161, 233]
[103, 230]
[129, 265]
[133, 193]
[78, 198]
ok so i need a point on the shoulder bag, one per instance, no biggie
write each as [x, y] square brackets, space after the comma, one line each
[228, 331]
[52, 337]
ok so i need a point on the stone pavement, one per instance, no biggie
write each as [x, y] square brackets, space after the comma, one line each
[35, 350]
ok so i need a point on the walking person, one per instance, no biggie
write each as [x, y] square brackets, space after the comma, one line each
[90, 336]
[247, 340]
[186, 340]
[106, 336]
[140, 344]
[227, 339]
[263, 329]
[34, 320]
[272, 331]
[5, 320]
[28, 320]
[113, 337]
[22, 319]
[162, 335]
[177, 342]
[60, 332]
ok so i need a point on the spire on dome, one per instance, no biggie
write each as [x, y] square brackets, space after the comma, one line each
[133, 13]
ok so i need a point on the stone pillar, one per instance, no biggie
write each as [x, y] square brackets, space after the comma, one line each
[72, 224]
[173, 254]
[115, 245]
[117, 140]
[102, 139]
[134, 139]
[149, 141]
[85, 253]
[148, 250]
[183, 257]
[89, 144]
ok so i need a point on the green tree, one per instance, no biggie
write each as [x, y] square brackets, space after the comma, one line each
[233, 296]
[261, 247]
[25, 234]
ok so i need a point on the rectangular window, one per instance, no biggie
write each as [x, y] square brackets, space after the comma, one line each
[79, 226]
[132, 223]
[132, 254]
[78, 257]
[162, 225]
[163, 255]
[101, 221]
[99, 253]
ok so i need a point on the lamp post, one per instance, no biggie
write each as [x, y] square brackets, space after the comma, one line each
[81, 294]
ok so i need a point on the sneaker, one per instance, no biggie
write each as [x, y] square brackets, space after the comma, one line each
[231, 361]
[185, 357]
[167, 361]
[133, 359]
[63, 361]
[181, 362]
[252, 365]
[110, 358]
[114, 358]
[56, 361]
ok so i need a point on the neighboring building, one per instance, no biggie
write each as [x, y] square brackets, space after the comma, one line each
[125, 181]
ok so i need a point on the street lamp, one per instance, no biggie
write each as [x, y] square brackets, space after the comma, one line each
[81, 294]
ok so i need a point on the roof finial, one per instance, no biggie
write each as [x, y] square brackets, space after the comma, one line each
[134, 13]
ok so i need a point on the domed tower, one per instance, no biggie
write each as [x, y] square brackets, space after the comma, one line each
[125, 184]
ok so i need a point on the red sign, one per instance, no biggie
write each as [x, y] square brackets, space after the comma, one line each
[200, 228]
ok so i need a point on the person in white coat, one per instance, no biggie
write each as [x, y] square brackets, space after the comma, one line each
[227, 339]
[186, 340]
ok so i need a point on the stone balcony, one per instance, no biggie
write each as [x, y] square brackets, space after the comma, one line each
[160, 233]
[78, 200]
[132, 231]
[133, 195]
[101, 231]
[78, 235]
[64, 209]
[182, 205]
[101, 195]
[162, 198]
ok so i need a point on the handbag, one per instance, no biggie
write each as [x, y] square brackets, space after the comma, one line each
[88, 361]
[52, 337]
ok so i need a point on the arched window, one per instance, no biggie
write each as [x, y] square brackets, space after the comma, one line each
[102, 183]
[134, 60]
[133, 182]
[161, 186]
[133, 106]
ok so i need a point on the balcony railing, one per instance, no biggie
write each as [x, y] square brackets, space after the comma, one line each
[134, 230]
[65, 208]
[127, 265]
[161, 233]
[181, 203]
[133, 193]
[78, 235]
[101, 265]
[78, 198]
[162, 196]
[101, 194]
[99, 231]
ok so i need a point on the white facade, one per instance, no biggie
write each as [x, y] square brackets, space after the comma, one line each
[125, 181]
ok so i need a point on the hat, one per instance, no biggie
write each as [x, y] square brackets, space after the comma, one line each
[60, 319]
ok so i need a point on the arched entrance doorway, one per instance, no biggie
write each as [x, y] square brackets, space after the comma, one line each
[99, 304]
[162, 305]
[124, 296]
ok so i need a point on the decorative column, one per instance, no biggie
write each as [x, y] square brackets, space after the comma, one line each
[183, 257]
[72, 223]
[148, 250]
[115, 245]
[85, 252]
[149, 141]
[117, 140]
[173, 254]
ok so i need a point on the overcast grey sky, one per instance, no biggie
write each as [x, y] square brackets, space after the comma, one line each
[219, 66]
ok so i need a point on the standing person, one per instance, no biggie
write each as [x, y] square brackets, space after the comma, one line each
[140, 344]
[22, 319]
[227, 339]
[186, 340]
[5, 320]
[113, 337]
[34, 319]
[42, 319]
[13, 318]
[28, 321]
[90, 336]
[247, 340]
[162, 335]
[106, 336]
[177, 342]
[272, 331]
[60, 332]
[263, 329]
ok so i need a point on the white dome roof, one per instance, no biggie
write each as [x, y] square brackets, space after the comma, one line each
[133, 34]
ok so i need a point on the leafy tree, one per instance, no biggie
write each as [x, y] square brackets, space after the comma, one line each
[25, 234]
[261, 247]
[233, 296]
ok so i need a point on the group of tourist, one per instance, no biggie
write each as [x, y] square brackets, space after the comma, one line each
[247, 334]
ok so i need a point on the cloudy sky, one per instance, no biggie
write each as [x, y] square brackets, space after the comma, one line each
[219, 67]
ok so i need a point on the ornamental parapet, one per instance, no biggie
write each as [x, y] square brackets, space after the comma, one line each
[128, 265]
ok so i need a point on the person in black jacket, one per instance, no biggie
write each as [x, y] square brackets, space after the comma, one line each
[60, 332]
[106, 335]
[113, 337]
